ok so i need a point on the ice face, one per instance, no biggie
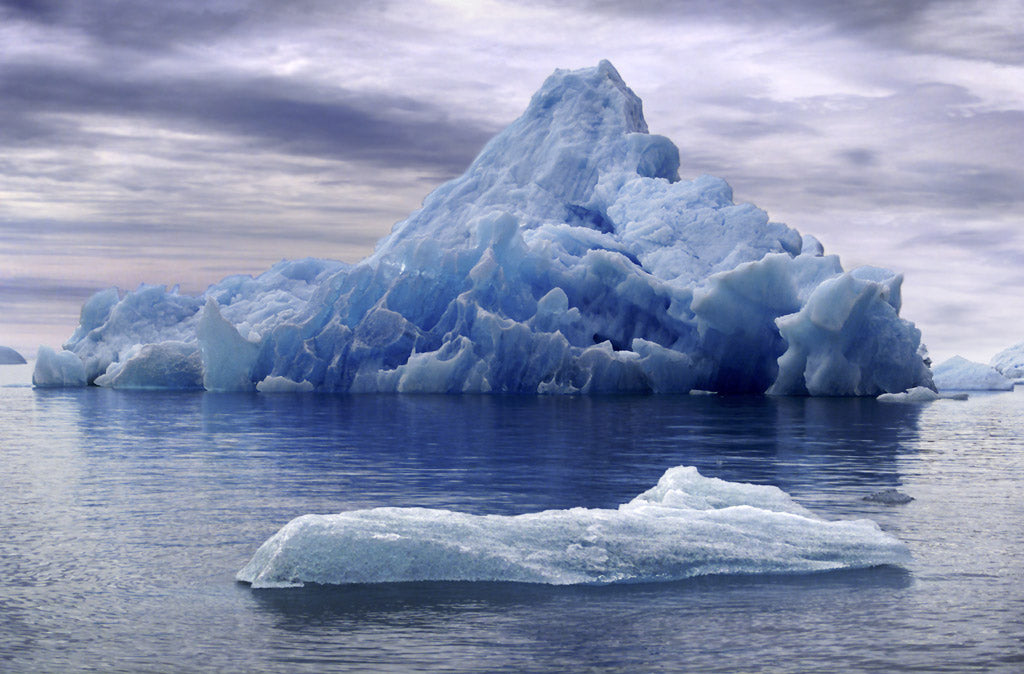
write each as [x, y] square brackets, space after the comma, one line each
[688, 525]
[569, 258]
[57, 369]
[173, 365]
[1010, 362]
[961, 374]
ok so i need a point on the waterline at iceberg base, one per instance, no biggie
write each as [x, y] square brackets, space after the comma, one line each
[569, 258]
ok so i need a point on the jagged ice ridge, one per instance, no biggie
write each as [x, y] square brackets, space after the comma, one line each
[569, 258]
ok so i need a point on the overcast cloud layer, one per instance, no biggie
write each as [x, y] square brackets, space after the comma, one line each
[180, 142]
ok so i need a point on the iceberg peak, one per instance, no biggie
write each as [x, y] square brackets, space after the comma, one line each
[580, 126]
[568, 258]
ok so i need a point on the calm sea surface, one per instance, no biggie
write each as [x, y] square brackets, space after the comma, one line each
[124, 517]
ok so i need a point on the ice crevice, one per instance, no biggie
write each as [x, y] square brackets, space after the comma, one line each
[569, 258]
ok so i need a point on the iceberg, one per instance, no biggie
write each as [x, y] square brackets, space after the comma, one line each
[9, 356]
[687, 525]
[1010, 362]
[960, 374]
[569, 258]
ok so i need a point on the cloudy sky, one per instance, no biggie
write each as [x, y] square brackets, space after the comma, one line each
[181, 142]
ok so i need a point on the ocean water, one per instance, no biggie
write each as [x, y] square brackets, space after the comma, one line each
[125, 516]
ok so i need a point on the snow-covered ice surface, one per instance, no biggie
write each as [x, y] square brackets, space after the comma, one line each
[687, 525]
[569, 258]
[1010, 362]
[960, 374]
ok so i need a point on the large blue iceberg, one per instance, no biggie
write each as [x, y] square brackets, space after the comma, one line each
[569, 258]
[687, 525]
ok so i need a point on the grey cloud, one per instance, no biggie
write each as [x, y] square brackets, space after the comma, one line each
[903, 24]
[862, 15]
[925, 146]
[997, 252]
[860, 157]
[994, 238]
[149, 27]
[26, 288]
[747, 129]
[964, 185]
[279, 114]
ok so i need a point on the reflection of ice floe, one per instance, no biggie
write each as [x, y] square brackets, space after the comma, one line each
[687, 525]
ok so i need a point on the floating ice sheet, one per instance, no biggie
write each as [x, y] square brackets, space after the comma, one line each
[687, 525]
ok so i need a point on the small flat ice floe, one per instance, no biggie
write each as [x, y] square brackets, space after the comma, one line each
[918, 394]
[687, 525]
[889, 497]
[960, 374]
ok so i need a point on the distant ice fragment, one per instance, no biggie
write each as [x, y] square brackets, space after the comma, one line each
[958, 373]
[57, 369]
[889, 497]
[9, 356]
[569, 258]
[687, 525]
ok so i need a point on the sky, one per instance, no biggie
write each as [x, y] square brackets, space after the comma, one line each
[178, 143]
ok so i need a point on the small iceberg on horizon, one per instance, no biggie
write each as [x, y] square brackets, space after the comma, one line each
[9, 356]
[960, 374]
[687, 525]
